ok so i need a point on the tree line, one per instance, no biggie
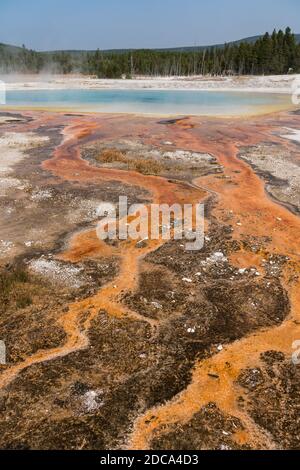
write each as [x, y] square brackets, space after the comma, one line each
[276, 53]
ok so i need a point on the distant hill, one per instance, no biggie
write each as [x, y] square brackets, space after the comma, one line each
[10, 49]
[250, 40]
[276, 54]
[76, 53]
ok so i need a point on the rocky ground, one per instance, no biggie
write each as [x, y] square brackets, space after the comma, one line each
[147, 345]
[280, 168]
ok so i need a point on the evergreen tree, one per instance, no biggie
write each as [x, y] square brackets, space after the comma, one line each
[277, 53]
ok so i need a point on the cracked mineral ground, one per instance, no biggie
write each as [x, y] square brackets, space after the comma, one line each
[144, 345]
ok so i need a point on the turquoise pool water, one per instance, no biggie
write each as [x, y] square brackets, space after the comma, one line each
[149, 101]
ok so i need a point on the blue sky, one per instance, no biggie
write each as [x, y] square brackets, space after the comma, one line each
[104, 24]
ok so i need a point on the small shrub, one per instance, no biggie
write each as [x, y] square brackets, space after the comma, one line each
[141, 165]
[147, 166]
[11, 282]
[9, 279]
[111, 156]
[23, 301]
